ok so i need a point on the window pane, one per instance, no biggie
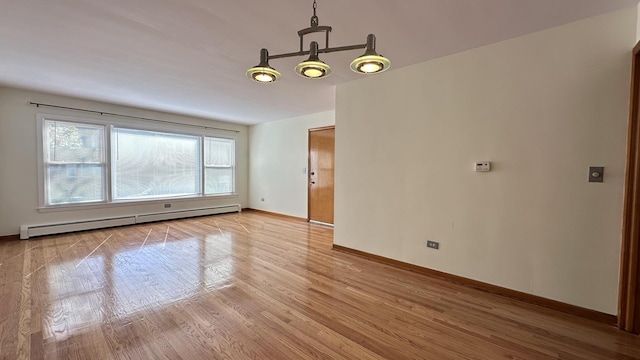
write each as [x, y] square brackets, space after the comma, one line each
[219, 152]
[219, 159]
[75, 183]
[149, 164]
[73, 142]
[74, 157]
[219, 180]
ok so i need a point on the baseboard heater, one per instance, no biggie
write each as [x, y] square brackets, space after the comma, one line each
[27, 231]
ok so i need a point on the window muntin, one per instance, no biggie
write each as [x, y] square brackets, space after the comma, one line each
[74, 162]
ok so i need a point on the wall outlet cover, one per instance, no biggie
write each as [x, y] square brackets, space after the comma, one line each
[482, 166]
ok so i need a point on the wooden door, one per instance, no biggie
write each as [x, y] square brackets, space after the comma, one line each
[320, 179]
[629, 304]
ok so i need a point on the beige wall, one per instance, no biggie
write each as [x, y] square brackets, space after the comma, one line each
[638, 24]
[542, 108]
[279, 153]
[19, 170]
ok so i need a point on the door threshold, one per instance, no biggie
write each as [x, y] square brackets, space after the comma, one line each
[320, 223]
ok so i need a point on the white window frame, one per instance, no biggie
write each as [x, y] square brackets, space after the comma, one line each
[42, 163]
[112, 154]
[109, 125]
[205, 166]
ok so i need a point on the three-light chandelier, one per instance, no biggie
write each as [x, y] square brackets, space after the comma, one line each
[369, 63]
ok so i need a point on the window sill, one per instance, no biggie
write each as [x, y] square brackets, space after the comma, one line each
[123, 203]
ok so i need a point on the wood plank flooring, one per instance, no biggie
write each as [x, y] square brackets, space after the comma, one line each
[257, 286]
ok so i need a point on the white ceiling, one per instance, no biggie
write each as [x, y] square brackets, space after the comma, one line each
[190, 56]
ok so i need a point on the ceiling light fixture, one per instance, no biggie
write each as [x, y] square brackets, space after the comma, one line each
[369, 63]
[262, 72]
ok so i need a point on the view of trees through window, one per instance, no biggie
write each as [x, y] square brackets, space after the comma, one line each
[143, 164]
[74, 162]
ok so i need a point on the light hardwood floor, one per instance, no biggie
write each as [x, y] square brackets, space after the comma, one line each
[256, 286]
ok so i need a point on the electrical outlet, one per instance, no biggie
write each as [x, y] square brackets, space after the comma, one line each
[433, 245]
[166, 206]
[482, 166]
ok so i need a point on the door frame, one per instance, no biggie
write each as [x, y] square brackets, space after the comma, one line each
[309, 165]
[628, 306]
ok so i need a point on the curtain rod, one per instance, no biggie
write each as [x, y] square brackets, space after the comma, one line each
[128, 116]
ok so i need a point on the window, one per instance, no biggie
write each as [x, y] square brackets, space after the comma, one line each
[148, 164]
[219, 163]
[143, 164]
[74, 162]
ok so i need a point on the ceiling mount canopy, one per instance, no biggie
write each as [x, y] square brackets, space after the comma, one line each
[369, 63]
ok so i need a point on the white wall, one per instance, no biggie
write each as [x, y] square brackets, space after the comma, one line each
[19, 170]
[638, 23]
[279, 153]
[543, 108]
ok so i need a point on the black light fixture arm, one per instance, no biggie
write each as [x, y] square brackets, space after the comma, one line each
[314, 29]
[320, 51]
